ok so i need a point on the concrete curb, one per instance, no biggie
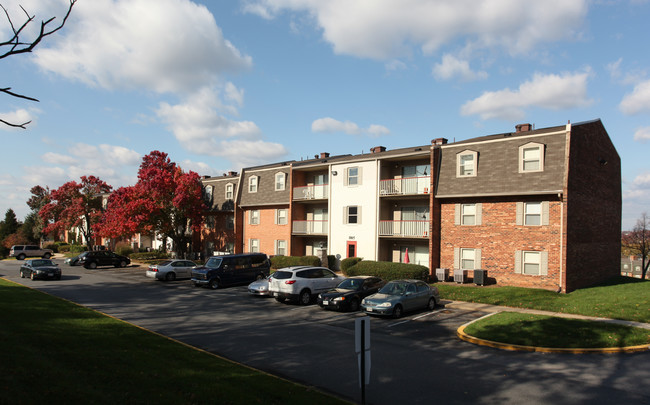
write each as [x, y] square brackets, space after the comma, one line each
[460, 332]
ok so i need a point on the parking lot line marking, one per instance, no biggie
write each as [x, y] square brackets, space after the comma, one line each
[399, 323]
[423, 315]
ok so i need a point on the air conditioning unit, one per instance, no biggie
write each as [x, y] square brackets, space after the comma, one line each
[460, 276]
[480, 277]
[442, 274]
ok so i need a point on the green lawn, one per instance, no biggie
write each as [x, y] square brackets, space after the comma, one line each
[55, 351]
[621, 298]
[553, 332]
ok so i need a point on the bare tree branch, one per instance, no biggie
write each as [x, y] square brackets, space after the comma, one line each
[15, 46]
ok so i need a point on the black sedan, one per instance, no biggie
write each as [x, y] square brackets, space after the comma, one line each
[91, 260]
[40, 268]
[348, 294]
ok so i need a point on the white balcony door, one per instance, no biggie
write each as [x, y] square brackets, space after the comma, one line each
[320, 220]
[415, 179]
[320, 180]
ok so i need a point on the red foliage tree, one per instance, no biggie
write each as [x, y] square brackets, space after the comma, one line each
[165, 201]
[75, 205]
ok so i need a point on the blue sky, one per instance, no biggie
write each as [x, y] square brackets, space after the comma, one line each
[221, 85]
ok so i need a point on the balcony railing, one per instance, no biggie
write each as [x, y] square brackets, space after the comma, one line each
[310, 227]
[405, 186]
[318, 192]
[407, 228]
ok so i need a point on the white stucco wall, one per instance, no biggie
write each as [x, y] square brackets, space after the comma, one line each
[363, 195]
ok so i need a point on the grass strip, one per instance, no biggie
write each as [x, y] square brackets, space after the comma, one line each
[621, 298]
[548, 331]
[54, 351]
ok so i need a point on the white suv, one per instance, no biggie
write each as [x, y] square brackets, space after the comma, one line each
[20, 252]
[302, 283]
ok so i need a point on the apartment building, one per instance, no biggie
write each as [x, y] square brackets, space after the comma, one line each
[534, 207]
[218, 233]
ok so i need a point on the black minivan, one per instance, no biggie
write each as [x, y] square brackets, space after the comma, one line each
[231, 269]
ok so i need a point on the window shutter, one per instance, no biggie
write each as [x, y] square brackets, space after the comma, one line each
[479, 214]
[250, 217]
[520, 213]
[345, 215]
[457, 214]
[456, 258]
[275, 220]
[477, 259]
[518, 269]
[545, 219]
[543, 265]
[358, 214]
[359, 179]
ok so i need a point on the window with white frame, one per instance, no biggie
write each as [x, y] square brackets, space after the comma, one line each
[531, 157]
[281, 247]
[252, 184]
[467, 259]
[533, 213]
[280, 181]
[468, 214]
[281, 216]
[532, 263]
[466, 162]
[353, 214]
[353, 176]
[230, 191]
[254, 217]
[254, 245]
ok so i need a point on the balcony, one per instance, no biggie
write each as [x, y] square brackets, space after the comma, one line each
[310, 227]
[318, 192]
[404, 229]
[405, 186]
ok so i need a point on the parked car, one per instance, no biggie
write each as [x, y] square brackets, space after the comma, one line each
[40, 268]
[348, 294]
[74, 261]
[170, 270]
[21, 252]
[231, 269]
[260, 287]
[302, 283]
[400, 296]
[96, 258]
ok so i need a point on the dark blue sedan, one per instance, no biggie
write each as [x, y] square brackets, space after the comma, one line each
[40, 268]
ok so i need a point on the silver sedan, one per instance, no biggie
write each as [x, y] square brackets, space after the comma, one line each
[170, 270]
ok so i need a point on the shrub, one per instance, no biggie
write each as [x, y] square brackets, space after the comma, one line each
[123, 249]
[349, 262]
[333, 263]
[278, 262]
[64, 248]
[77, 248]
[53, 247]
[389, 270]
[154, 254]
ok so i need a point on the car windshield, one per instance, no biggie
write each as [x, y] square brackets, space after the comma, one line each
[394, 288]
[39, 263]
[214, 262]
[351, 284]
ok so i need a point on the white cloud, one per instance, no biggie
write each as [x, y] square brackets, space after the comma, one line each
[158, 45]
[331, 125]
[18, 117]
[452, 67]
[391, 29]
[555, 92]
[638, 101]
[642, 134]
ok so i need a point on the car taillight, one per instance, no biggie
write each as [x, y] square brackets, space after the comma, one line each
[290, 282]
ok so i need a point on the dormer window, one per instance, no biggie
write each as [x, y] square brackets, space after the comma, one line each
[252, 184]
[230, 191]
[280, 181]
[466, 163]
[531, 158]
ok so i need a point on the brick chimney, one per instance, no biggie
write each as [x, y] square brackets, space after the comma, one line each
[324, 155]
[378, 149]
[232, 173]
[523, 128]
[439, 141]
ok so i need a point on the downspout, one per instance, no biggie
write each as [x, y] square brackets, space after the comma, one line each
[563, 222]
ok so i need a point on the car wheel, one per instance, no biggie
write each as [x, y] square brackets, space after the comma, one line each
[123, 263]
[21, 257]
[170, 276]
[22, 275]
[305, 297]
[354, 305]
[92, 265]
[214, 283]
[47, 256]
[32, 276]
[432, 304]
[397, 311]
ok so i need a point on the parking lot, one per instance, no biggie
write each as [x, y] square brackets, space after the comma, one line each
[414, 359]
